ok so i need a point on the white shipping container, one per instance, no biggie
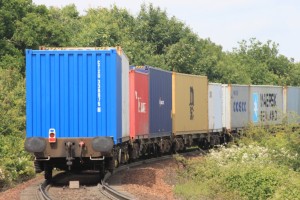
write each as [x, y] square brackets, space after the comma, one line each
[226, 121]
[293, 103]
[239, 106]
[125, 96]
[215, 107]
[266, 104]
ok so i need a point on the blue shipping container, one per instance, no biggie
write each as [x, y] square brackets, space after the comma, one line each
[160, 100]
[76, 92]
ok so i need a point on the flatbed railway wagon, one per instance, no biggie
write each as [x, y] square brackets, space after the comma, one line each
[75, 107]
[156, 105]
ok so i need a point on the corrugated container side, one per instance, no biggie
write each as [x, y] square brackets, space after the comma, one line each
[125, 96]
[160, 91]
[226, 102]
[139, 105]
[239, 107]
[284, 100]
[77, 93]
[293, 103]
[190, 103]
[215, 107]
[266, 104]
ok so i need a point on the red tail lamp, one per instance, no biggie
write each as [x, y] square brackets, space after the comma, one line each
[81, 144]
[52, 135]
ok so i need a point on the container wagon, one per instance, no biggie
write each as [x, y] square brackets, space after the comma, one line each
[139, 111]
[190, 110]
[76, 113]
[159, 138]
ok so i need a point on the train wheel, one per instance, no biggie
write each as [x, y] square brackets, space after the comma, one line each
[38, 166]
[102, 170]
[48, 171]
[110, 164]
[204, 144]
[228, 138]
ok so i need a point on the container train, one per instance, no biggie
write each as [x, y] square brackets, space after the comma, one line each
[87, 109]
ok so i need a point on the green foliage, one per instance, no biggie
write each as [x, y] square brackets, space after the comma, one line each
[182, 57]
[264, 165]
[150, 38]
[254, 181]
[256, 63]
[12, 102]
[294, 75]
[240, 172]
[284, 141]
[10, 12]
[103, 27]
[16, 165]
[153, 26]
[52, 27]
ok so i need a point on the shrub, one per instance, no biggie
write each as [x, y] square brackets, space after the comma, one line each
[16, 164]
[239, 172]
[283, 141]
[12, 102]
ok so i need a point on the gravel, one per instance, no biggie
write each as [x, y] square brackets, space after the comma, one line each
[151, 181]
[14, 193]
[145, 182]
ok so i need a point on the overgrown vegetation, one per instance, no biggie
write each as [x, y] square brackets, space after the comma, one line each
[264, 164]
[151, 37]
[16, 164]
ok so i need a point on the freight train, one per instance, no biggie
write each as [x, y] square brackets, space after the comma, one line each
[87, 109]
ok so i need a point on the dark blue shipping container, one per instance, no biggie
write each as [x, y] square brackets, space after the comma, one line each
[160, 100]
[75, 92]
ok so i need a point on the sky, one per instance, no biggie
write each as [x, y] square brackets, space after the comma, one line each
[225, 22]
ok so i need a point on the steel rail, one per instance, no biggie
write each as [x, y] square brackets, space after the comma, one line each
[42, 193]
[104, 187]
[113, 194]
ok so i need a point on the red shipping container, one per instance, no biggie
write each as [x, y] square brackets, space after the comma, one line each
[139, 104]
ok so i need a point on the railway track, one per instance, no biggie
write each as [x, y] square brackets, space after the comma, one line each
[103, 190]
[42, 193]
[115, 194]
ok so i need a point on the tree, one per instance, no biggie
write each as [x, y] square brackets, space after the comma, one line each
[12, 102]
[210, 56]
[182, 56]
[294, 75]
[46, 27]
[10, 12]
[258, 63]
[153, 26]
[103, 27]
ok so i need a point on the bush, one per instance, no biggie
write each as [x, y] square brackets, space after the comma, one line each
[16, 164]
[283, 141]
[12, 102]
[253, 181]
[239, 172]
